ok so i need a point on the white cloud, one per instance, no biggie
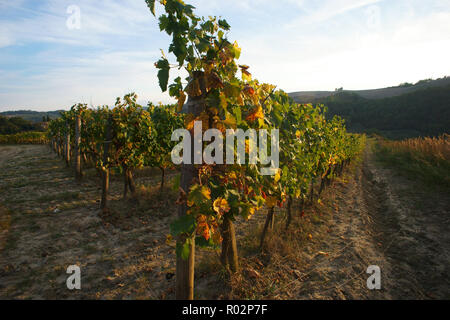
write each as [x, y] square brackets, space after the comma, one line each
[5, 40]
[297, 45]
[98, 80]
[326, 10]
[408, 48]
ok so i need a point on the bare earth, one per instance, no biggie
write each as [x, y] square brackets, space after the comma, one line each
[369, 217]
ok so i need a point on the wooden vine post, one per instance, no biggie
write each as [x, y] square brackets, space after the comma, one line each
[267, 225]
[289, 212]
[161, 186]
[185, 267]
[58, 139]
[229, 255]
[105, 171]
[67, 149]
[125, 182]
[128, 182]
[77, 148]
[61, 146]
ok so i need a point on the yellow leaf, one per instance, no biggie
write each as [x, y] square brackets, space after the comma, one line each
[189, 121]
[271, 202]
[221, 206]
[277, 176]
[232, 176]
[240, 101]
[256, 113]
[206, 192]
[181, 101]
[230, 121]
[246, 76]
[223, 101]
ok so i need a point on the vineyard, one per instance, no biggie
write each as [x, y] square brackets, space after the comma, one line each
[222, 95]
[232, 190]
[24, 138]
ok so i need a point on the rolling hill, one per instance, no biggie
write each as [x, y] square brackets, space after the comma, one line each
[314, 96]
[33, 116]
[397, 113]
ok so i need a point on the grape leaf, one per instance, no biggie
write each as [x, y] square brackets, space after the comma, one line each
[163, 73]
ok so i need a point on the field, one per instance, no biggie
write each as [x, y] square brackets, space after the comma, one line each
[232, 190]
[369, 216]
[426, 158]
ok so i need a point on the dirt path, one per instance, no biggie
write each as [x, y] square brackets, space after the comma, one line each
[386, 220]
[413, 225]
[56, 223]
[371, 216]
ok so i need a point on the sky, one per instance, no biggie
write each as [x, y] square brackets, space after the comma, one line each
[55, 53]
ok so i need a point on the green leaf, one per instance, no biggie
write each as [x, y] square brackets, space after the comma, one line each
[163, 22]
[236, 51]
[179, 49]
[220, 34]
[203, 45]
[151, 5]
[163, 74]
[176, 182]
[230, 120]
[183, 250]
[224, 24]
[208, 26]
[199, 194]
[203, 243]
[175, 88]
[183, 225]
[238, 114]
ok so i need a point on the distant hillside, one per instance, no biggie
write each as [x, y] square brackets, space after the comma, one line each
[399, 112]
[313, 96]
[13, 125]
[423, 112]
[33, 116]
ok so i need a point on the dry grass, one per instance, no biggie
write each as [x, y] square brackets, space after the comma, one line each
[425, 158]
[274, 271]
[432, 148]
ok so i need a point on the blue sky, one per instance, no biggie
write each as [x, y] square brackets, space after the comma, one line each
[295, 44]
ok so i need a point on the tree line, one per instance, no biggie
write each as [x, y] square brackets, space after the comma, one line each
[423, 112]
